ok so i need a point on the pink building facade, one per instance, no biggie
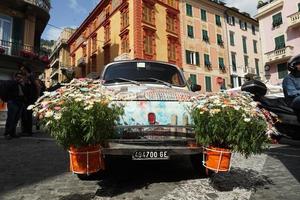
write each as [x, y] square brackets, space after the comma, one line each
[279, 23]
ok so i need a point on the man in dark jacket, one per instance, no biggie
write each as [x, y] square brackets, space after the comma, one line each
[12, 93]
[291, 85]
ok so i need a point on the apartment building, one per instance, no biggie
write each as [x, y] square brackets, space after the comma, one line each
[279, 24]
[117, 29]
[204, 44]
[21, 25]
[60, 62]
[244, 47]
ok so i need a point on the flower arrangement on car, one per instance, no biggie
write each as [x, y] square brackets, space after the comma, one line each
[226, 123]
[81, 117]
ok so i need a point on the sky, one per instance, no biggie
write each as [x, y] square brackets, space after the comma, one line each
[71, 13]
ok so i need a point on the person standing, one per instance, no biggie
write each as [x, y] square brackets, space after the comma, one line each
[14, 105]
[31, 93]
[291, 85]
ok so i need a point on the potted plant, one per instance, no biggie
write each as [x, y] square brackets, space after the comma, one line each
[226, 123]
[81, 117]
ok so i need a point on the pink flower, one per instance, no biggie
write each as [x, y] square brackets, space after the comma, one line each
[57, 108]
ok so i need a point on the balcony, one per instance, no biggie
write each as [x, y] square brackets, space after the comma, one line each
[14, 52]
[267, 7]
[294, 20]
[279, 54]
[43, 4]
[249, 71]
[54, 63]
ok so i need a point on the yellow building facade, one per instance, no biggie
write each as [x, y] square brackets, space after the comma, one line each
[116, 29]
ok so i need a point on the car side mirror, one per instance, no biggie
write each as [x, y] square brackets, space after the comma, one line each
[195, 87]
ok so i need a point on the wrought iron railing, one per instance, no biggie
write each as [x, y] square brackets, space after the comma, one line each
[44, 4]
[20, 50]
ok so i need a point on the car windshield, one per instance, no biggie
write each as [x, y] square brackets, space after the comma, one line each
[137, 72]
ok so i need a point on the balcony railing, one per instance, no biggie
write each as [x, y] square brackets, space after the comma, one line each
[268, 6]
[280, 54]
[20, 50]
[294, 20]
[44, 4]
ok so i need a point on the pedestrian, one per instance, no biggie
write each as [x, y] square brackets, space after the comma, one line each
[291, 85]
[14, 104]
[31, 93]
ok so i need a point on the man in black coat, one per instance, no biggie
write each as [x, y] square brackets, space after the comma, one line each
[11, 91]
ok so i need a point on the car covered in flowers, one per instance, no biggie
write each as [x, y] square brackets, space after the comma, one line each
[156, 99]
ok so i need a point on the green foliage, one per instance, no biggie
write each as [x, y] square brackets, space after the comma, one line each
[233, 127]
[79, 125]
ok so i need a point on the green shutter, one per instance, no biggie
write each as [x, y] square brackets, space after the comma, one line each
[205, 35]
[203, 15]
[282, 70]
[219, 39]
[279, 42]
[246, 60]
[193, 79]
[221, 63]
[218, 20]
[206, 60]
[277, 19]
[233, 60]
[255, 46]
[190, 31]
[187, 56]
[189, 10]
[208, 84]
[257, 66]
[197, 59]
[245, 44]
[231, 38]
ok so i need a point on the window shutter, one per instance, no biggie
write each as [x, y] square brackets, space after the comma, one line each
[197, 59]
[187, 56]
[208, 83]
[282, 70]
[193, 79]
[233, 20]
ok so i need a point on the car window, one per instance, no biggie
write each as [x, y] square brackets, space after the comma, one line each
[143, 72]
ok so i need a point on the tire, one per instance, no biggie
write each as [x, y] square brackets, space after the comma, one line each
[196, 161]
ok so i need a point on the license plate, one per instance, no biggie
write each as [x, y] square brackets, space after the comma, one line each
[150, 155]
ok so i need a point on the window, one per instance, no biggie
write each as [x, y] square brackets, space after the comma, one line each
[221, 64]
[208, 83]
[192, 57]
[207, 61]
[203, 15]
[190, 30]
[94, 63]
[231, 20]
[107, 33]
[233, 61]
[277, 20]
[253, 29]
[94, 43]
[298, 7]
[205, 36]
[189, 10]
[5, 32]
[244, 44]
[255, 46]
[125, 44]
[148, 14]
[84, 50]
[193, 79]
[282, 70]
[171, 20]
[218, 20]
[220, 40]
[257, 66]
[279, 42]
[124, 18]
[243, 25]
[246, 61]
[172, 50]
[231, 34]
[148, 43]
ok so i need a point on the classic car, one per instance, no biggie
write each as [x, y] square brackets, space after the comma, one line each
[156, 98]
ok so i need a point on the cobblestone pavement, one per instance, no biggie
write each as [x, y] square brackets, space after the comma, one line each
[36, 168]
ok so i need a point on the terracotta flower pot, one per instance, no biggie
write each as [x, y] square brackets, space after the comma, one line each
[86, 160]
[217, 159]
